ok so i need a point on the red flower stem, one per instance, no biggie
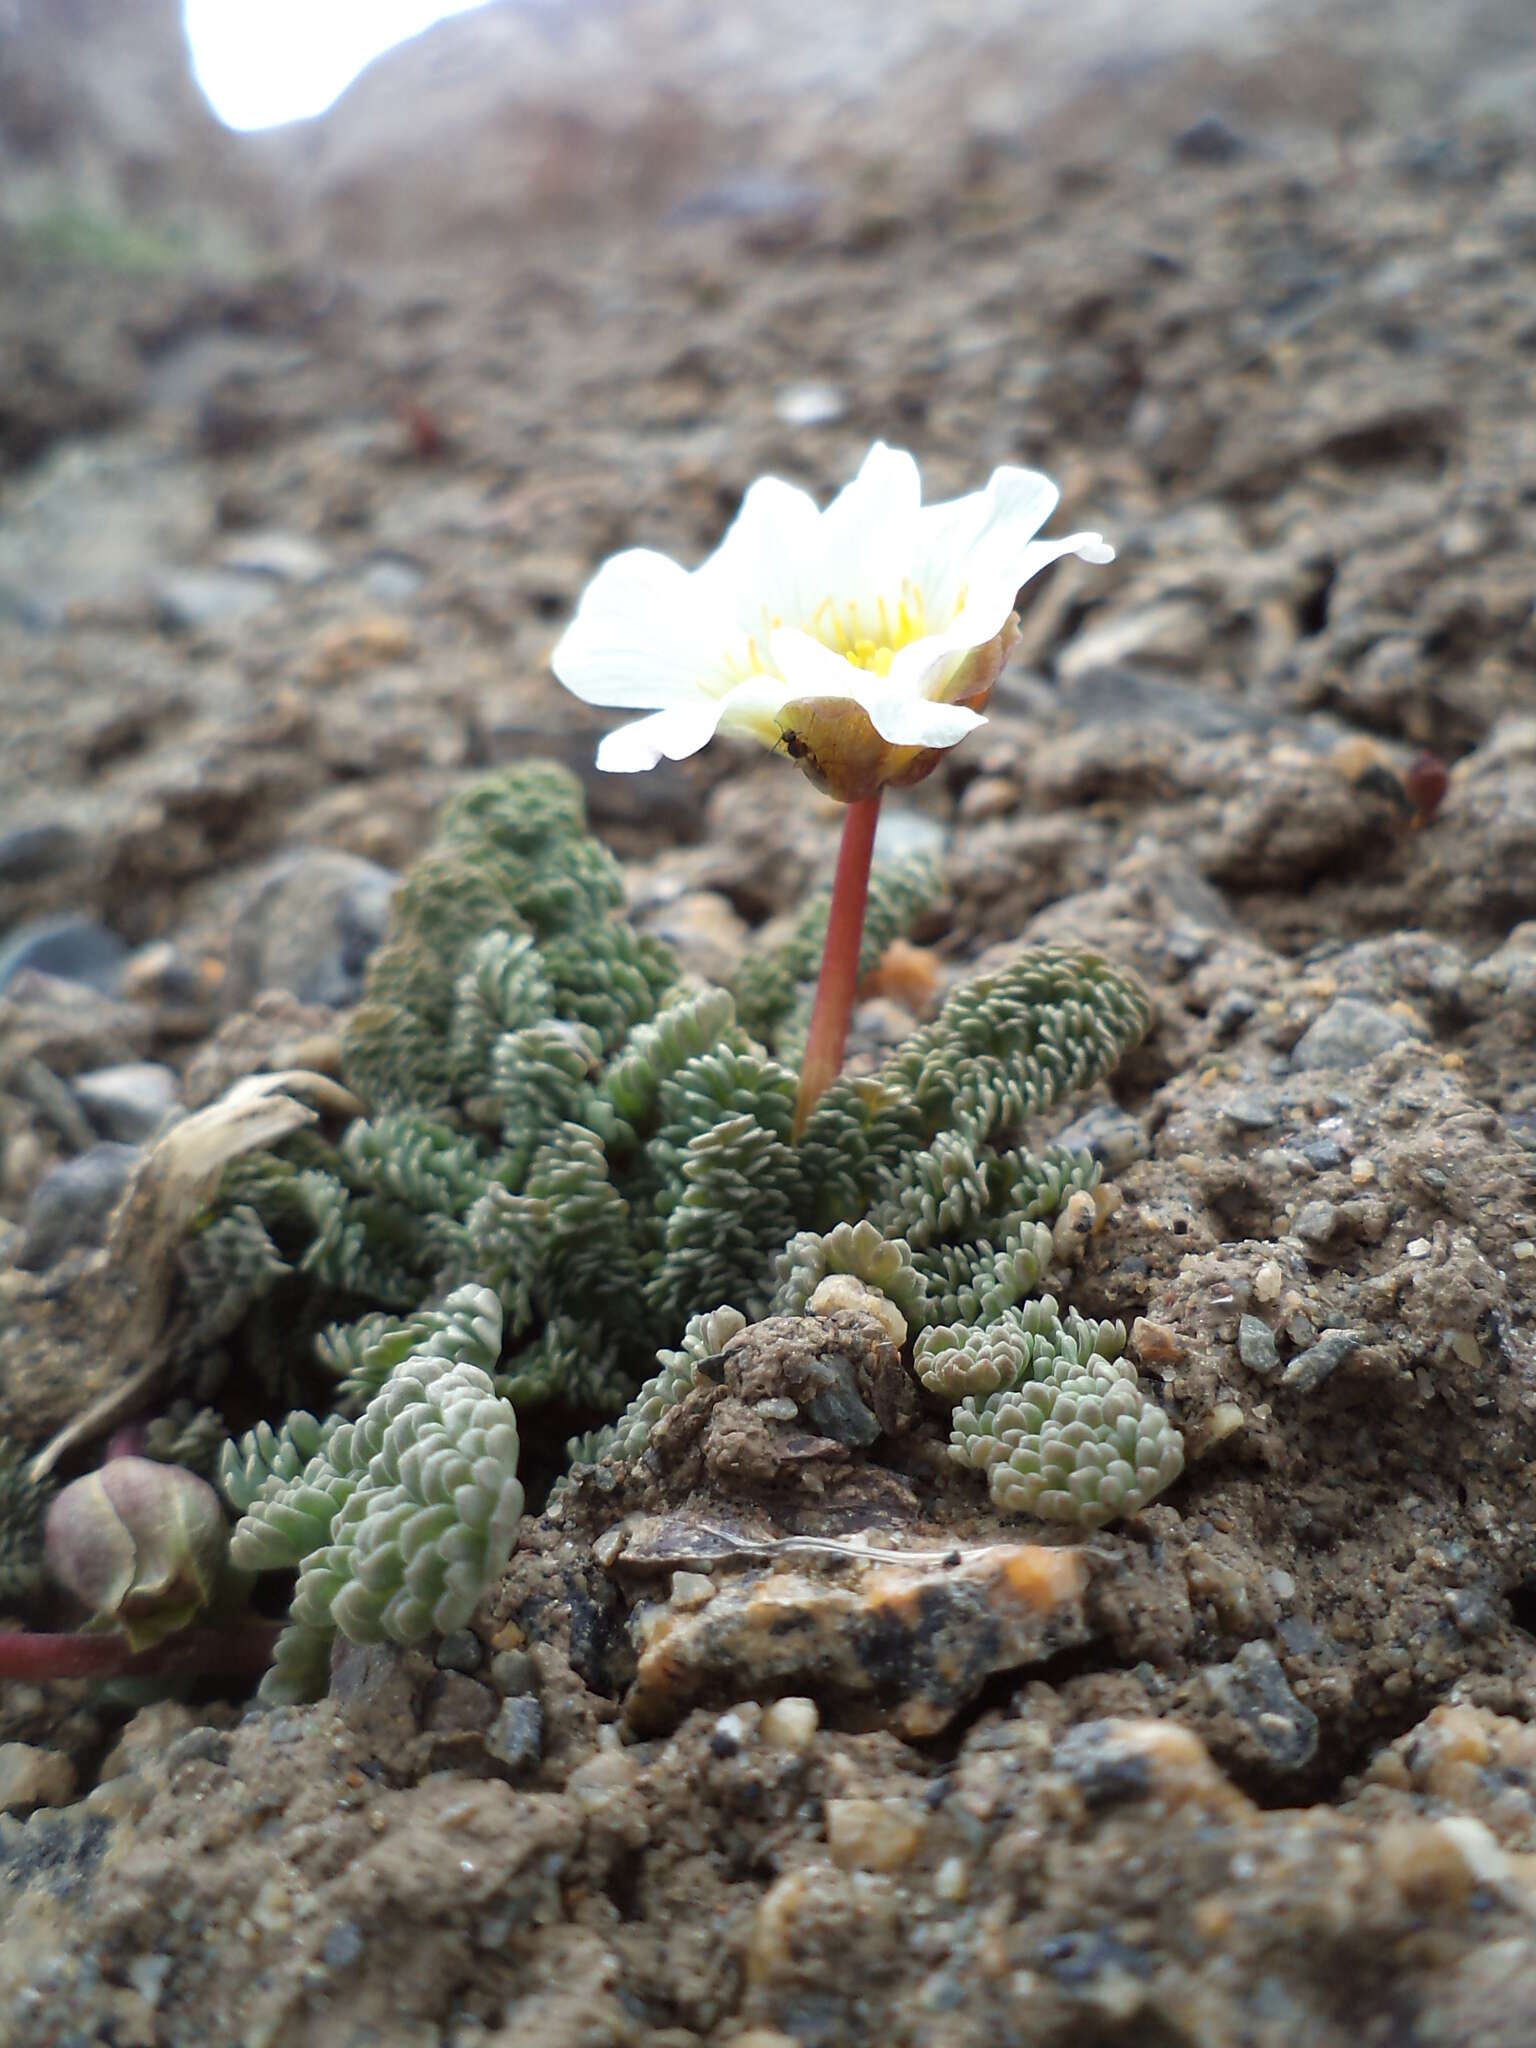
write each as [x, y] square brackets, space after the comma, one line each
[839, 979]
[41, 1656]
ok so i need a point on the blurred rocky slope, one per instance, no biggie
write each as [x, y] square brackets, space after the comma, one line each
[525, 109]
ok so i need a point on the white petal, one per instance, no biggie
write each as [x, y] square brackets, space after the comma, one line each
[1093, 547]
[753, 708]
[670, 735]
[867, 534]
[643, 637]
[920, 722]
[972, 541]
[766, 566]
[811, 670]
[921, 667]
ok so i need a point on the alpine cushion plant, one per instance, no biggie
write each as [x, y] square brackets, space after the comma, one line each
[861, 641]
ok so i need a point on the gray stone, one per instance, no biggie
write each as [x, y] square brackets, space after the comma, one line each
[284, 557]
[1253, 1688]
[839, 1411]
[342, 1945]
[516, 1737]
[1111, 1134]
[393, 580]
[1350, 1033]
[198, 1745]
[1256, 1346]
[512, 1671]
[69, 948]
[311, 926]
[1310, 1368]
[1316, 1222]
[130, 1102]
[763, 199]
[1100, 692]
[70, 1205]
[192, 600]
[1209, 140]
[1233, 1011]
[30, 852]
[149, 1976]
[1322, 1154]
[460, 1650]
[1104, 1765]
[365, 1674]
[1251, 1113]
[1473, 1612]
[457, 1705]
[904, 832]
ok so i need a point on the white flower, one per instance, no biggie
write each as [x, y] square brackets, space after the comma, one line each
[860, 640]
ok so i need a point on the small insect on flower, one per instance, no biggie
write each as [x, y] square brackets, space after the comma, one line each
[861, 641]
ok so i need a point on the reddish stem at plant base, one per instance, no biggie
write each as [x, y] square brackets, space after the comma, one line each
[39, 1656]
[839, 979]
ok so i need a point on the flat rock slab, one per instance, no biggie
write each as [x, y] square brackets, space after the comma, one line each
[907, 1645]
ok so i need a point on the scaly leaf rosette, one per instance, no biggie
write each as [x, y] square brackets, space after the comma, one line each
[862, 640]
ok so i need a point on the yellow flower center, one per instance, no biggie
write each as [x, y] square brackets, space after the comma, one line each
[871, 643]
[862, 641]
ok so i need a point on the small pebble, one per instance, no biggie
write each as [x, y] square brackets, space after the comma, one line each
[728, 1736]
[1435, 1863]
[1233, 1011]
[1349, 1033]
[148, 1976]
[810, 405]
[1256, 1346]
[460, 1650]
[1156, 1343]
[1254, 1689]
[198, 1745]
[129, 1102]
[1268, 1281]
[516, 1736]
[692, 1589]
[512, 1672]
[70, 948]
[71, 1204]
[1209, 141]
[1310, 1368]
[1316, 1222]
[1251, 1113]
[790, 1724]
[1110, 1134]
[602, 1781]
[873, 1834]
[342, 1945]
[31, 1777]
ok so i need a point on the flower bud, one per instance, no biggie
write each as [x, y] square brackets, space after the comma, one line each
[139, 1544]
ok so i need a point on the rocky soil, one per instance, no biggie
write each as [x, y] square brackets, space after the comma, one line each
[779, 1740]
